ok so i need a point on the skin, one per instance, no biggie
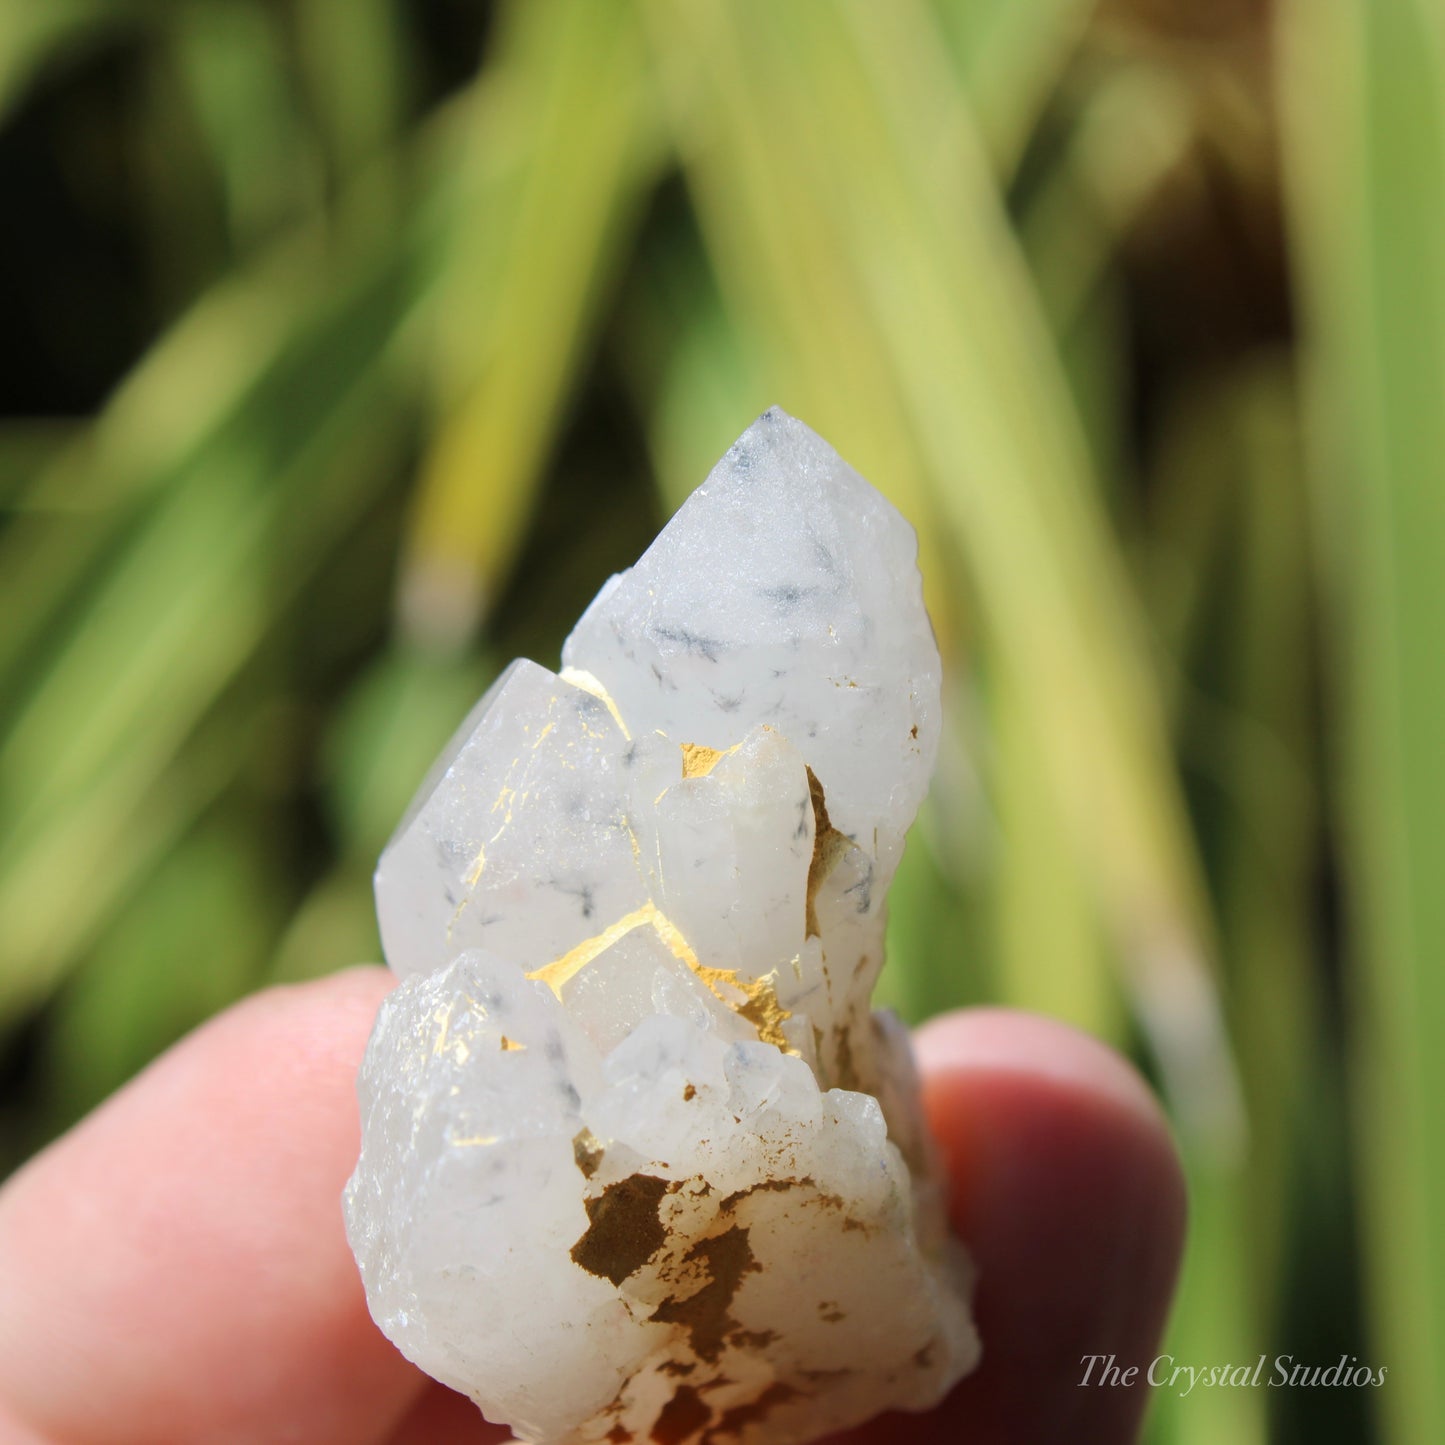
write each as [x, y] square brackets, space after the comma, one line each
[174, 1269]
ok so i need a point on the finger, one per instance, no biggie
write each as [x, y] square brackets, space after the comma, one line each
[442, 1417]
[175, 1269]
[1067, 1189]
[12, 1432]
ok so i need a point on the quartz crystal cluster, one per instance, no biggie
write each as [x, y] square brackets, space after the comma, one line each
[639, 1162]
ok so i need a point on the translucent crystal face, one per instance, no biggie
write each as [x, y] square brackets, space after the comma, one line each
[638, 1160]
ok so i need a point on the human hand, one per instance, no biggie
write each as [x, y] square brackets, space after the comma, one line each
[174, 1269]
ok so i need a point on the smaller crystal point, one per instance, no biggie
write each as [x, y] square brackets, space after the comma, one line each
[638, 1160]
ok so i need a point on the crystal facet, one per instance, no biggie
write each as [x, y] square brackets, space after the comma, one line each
[638, 1160]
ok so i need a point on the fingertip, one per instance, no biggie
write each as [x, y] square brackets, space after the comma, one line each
[1067, 1189]
[1042, 1051]
[442, 1414]
[218, 1295]
[347, 1000]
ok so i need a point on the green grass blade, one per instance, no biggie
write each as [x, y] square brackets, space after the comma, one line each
[1055, 957]
[1131, 131]
[1364, 93]
[34, 37]
[1235, 528]
[1010, 56]
[175, 622]
[148, 982]
[525, 303]
[233, 63]
[199, 530]
[357, 63]
[689, 369]
[29, 445]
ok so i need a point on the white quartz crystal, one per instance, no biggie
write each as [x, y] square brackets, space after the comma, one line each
[638, 1162]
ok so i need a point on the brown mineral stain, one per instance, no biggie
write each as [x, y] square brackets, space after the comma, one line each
[847, 1070]
[764, 1186]
[829, 1312]
[724, 1258]
[623, 1230]
[739, 1417]
[824, 1377]
[619, 1435]
[829, 845]
[511, 1046]
[587, 1151]
[677, 1367]
[688, 1093]
[924, 1357]
[752, 1339]
[821, 1197]
[683, 1415]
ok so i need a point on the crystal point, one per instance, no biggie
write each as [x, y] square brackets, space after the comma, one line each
[638, 1160]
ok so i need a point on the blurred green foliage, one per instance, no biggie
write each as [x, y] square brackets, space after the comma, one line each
[351, 346]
